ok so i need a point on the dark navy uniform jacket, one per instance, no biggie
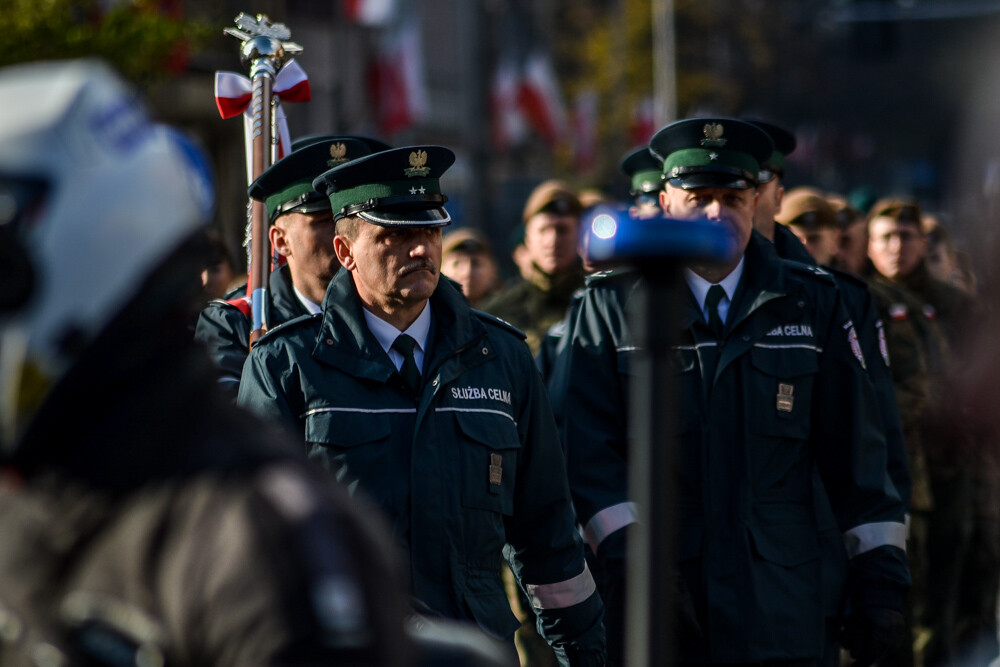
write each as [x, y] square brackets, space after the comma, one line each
[788, 414]
[471, 464]
[224, 330]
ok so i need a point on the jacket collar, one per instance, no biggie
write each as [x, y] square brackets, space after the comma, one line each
[344, 339]
[764, 278]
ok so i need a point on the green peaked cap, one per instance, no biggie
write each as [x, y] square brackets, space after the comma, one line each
[287, 184]
[399, 187]
[711, 152]
[644, 170]
[784, 144]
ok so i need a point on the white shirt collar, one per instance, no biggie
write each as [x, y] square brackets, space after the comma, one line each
[311, 306]
[699, 287]
[386, 334]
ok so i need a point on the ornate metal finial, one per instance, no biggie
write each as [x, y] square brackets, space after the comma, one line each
[261, 38]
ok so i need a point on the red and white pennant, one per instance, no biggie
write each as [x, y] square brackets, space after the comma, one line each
[233, 90]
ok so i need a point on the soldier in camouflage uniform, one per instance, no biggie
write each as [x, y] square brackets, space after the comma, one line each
[551, 221]
[963, 531]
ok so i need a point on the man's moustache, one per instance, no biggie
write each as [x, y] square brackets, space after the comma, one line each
[418, 266]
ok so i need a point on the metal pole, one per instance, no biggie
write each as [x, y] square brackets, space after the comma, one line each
[264, 47]
[664, 63]
[649, 613]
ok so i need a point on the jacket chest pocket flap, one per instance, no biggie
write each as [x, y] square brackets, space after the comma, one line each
[344, 429]
[780, 400]
[489, 461]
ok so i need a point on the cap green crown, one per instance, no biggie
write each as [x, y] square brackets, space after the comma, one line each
[711, 152]
[288, 182]
[399, 178]
[644, 170]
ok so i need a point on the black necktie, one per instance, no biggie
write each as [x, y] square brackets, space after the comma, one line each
[715, 295]
[404, 345]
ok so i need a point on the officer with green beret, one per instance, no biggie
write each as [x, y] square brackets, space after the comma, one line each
[774, 395]
[434, 410]
[301, 233]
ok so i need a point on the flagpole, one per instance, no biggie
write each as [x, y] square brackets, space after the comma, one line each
[664, 63]
[265, 49]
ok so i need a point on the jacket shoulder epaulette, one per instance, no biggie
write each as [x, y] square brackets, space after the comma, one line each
[845, 277]
[599, 277]
[285, 327]
[810, 269]
[496, 321]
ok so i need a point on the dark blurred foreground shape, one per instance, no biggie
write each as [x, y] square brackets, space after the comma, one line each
[146, 520]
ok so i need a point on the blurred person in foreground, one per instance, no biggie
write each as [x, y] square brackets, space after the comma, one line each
[551, 220]
[433, 409]
[773, 395]
[467, 259]
[301, 234]
[963, 529]
[146, 520]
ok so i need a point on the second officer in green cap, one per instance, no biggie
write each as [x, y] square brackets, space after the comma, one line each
[433, 410]
[301, 233]
[773, 394]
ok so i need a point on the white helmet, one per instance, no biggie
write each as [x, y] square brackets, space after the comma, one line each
[96, 196]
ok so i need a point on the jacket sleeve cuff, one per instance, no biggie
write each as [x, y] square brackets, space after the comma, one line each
[577, 630]
[879, 578]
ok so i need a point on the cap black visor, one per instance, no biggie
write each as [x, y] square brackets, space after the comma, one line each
[711, 180]
[406, 217]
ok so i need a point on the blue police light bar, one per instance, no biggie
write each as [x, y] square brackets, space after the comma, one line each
[612, 235]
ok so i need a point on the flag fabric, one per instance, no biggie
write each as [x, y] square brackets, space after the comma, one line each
[508, 123]
[282, 137]
[540, 100]
[370, 13]
[396, 79]
[642, 124]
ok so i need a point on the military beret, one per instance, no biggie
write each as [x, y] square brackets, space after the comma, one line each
[552, 196]
[900, 210]
[847, 215]
[287, 184]
[464, 240]
[711, 152]
[644, 170]
[399, 187]
[784, 144]
[802, 207]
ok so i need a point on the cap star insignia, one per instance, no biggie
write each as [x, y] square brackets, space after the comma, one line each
[422, 190]
[713, 156]
[413, 191]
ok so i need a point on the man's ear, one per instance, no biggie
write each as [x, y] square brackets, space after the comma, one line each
[279, 241]
[664, 201]
[342, 246]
